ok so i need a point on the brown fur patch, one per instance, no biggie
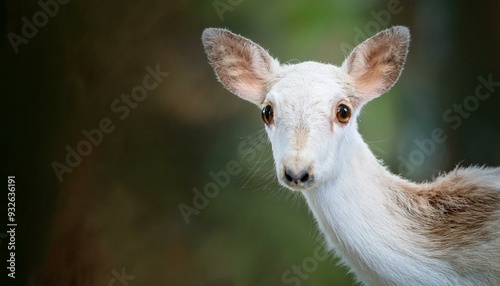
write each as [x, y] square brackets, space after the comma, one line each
[451, 212]
[301, 133]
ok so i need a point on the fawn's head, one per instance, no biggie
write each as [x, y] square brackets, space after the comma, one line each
[309, 109]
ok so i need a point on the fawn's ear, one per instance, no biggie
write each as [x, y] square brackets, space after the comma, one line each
[375, 64]
[242, 66]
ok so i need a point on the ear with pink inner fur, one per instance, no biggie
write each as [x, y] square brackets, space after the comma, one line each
[376, 64]
[242, 66]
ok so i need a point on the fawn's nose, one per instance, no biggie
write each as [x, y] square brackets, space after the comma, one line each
[297, 177]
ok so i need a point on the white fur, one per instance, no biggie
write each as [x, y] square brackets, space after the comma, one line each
[350, 191]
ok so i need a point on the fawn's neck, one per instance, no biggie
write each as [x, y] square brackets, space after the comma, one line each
[353, 212]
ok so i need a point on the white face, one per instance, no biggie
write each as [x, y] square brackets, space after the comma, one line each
[310, 109]
[307, 112]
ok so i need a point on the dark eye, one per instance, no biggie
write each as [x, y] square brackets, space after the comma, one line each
[343, 113]
[267, 114]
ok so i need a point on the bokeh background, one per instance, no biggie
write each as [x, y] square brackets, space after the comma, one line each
[117, 213]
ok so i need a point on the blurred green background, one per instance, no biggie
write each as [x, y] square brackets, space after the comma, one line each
[117, 212]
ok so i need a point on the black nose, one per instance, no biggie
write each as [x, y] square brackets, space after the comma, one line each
[291, 176]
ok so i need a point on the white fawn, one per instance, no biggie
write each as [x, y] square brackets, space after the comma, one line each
[387, 230]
